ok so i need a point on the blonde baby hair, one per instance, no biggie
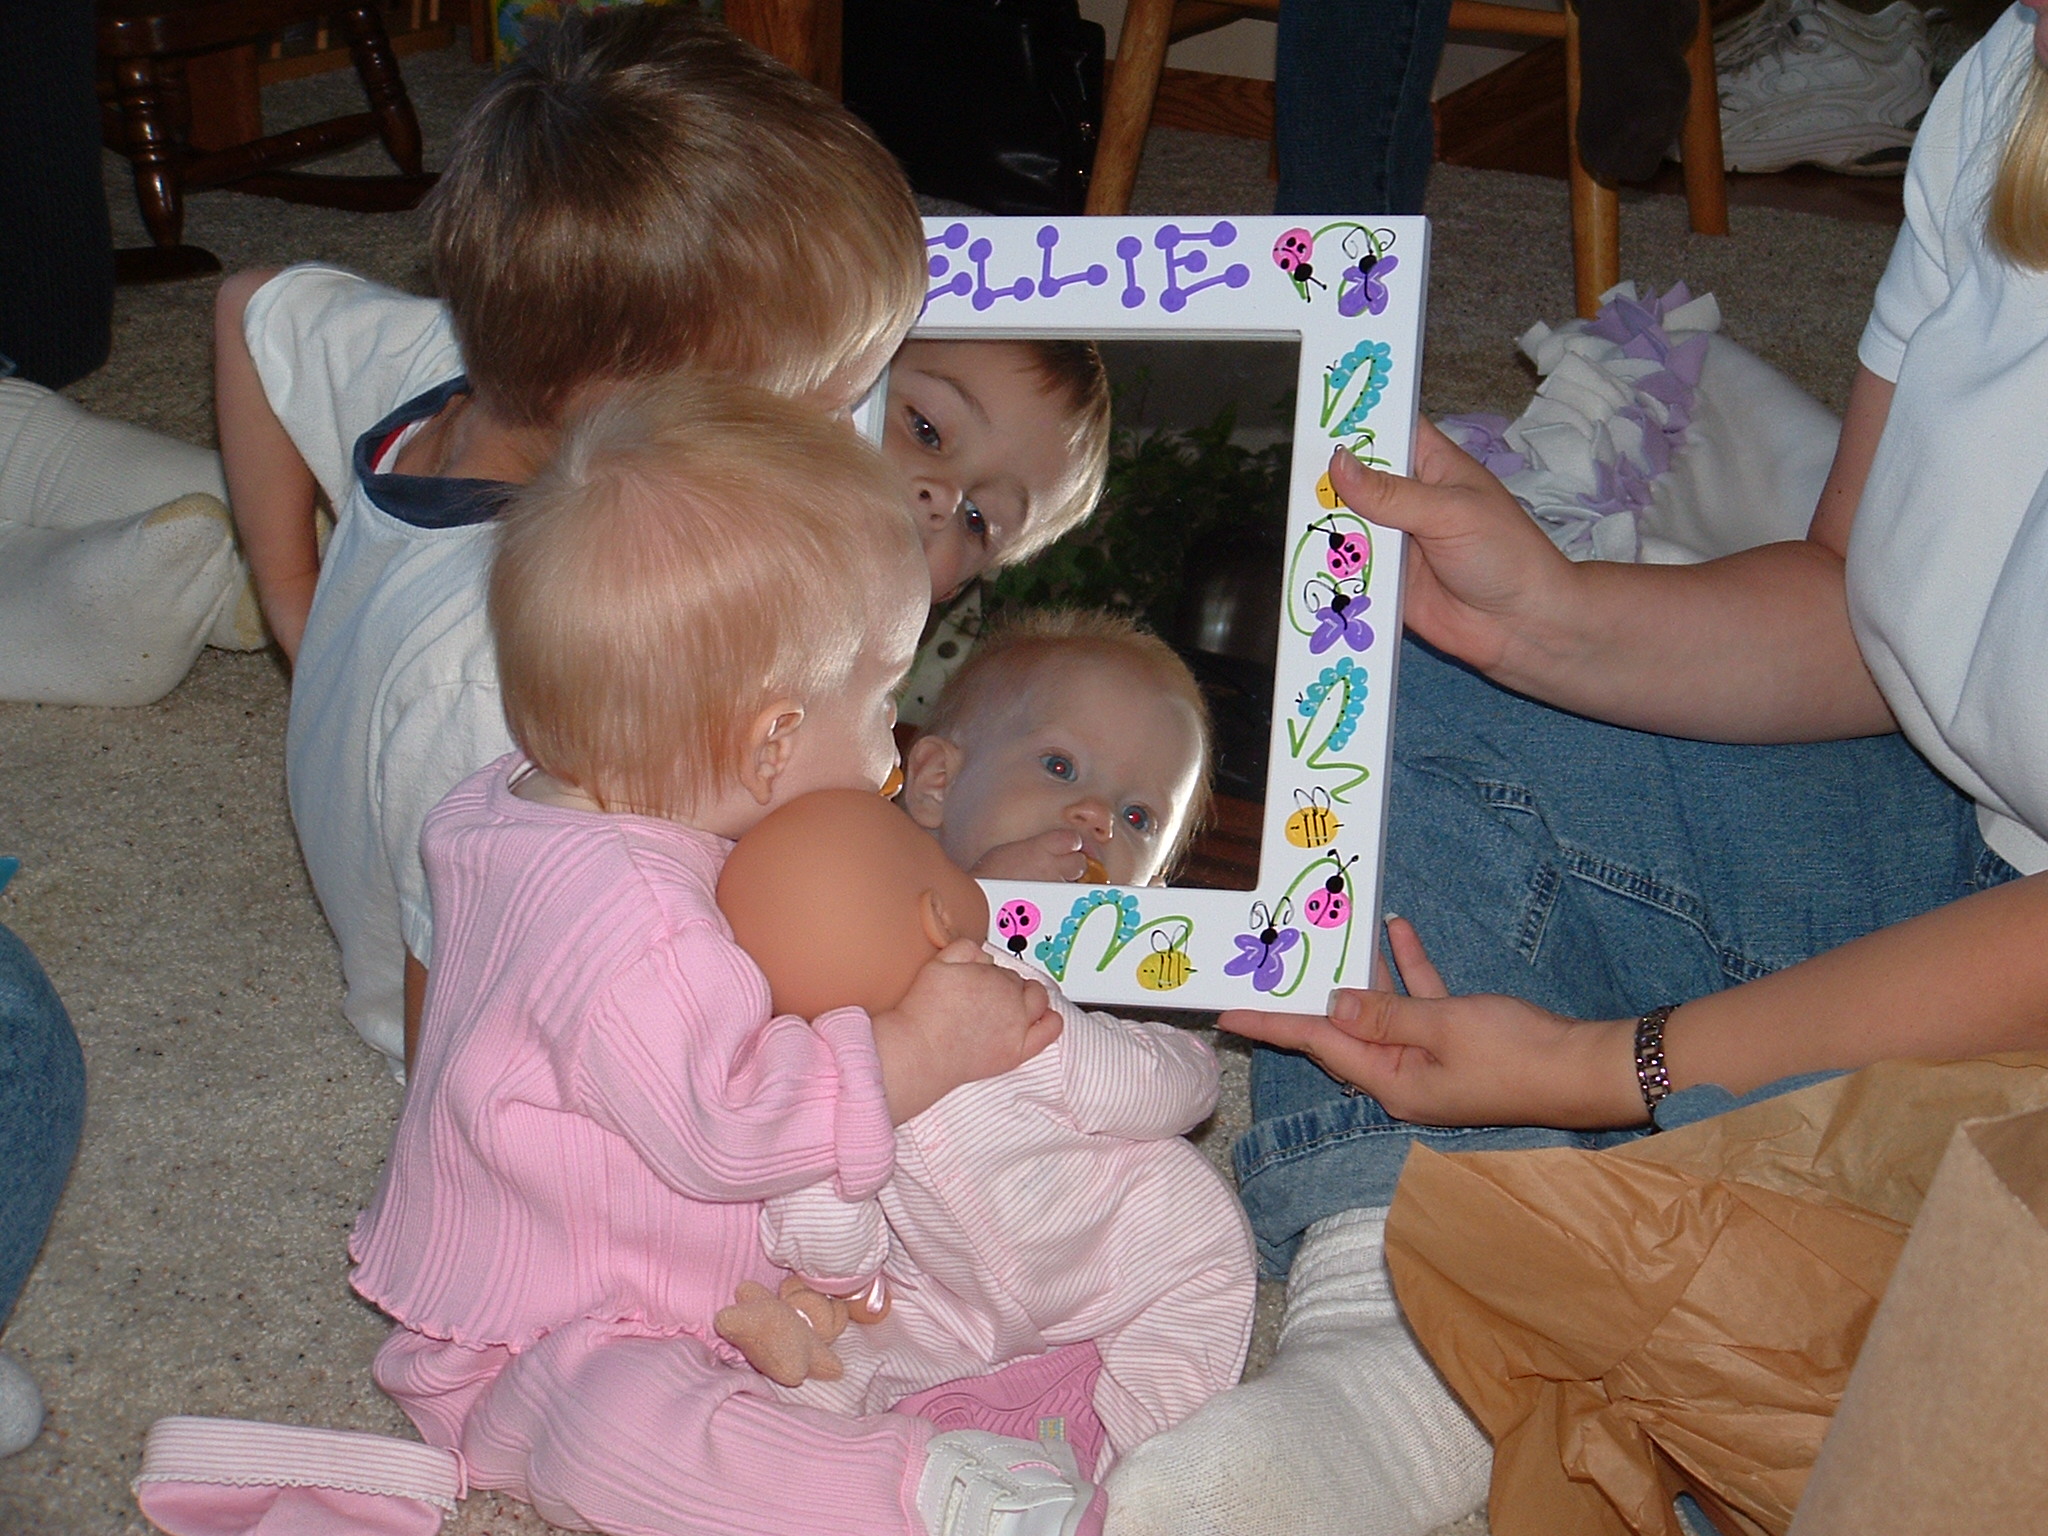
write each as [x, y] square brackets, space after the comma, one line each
[694, 552]
[1005, 664]
[642, 191]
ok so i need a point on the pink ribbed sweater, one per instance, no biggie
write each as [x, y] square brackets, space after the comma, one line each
[601, 1098]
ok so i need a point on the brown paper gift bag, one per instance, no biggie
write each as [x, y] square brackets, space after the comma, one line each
[1944, 1426]
[1681, 1313]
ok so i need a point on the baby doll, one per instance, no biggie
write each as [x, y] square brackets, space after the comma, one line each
[1070, 746]
[1053, 1204]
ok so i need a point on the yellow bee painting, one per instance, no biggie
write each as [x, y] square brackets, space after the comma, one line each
[1167, 966]
[1326, 494]
[1315, 824]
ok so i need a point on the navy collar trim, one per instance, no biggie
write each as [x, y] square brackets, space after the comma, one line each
[425, 501]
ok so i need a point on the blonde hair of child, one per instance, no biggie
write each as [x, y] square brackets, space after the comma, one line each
[694, 553]
[642, 191]
[1072, 372]
[2018, 214]
[1005, 663]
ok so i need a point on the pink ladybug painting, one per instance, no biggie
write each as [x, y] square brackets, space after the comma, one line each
[1350, 548]
[1292, 253]
[1330, 907]
[1016, 921]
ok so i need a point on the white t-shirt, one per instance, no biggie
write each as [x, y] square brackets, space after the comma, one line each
[395, 692]
[1948, 562]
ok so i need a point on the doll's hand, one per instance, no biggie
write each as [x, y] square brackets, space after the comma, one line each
[1433, 1059]
[964, 1018]
[1054, 855]
[787, 1338]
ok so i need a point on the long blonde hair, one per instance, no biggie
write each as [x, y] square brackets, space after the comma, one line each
[2018, 215]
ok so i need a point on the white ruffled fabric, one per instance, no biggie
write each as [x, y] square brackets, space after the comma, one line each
[1654, 438]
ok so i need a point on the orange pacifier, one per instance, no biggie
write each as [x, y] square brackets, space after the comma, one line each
[892, 785]
[1092, 870]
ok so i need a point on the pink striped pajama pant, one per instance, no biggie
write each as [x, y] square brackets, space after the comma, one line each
[601, 1428]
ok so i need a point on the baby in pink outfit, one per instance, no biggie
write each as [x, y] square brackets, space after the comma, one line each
[602, 1098]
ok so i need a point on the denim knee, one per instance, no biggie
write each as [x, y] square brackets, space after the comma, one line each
[42, 1108]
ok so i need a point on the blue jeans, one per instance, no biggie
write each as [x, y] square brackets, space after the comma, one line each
[1600, 872]
[1351, 119]
[42, 1105]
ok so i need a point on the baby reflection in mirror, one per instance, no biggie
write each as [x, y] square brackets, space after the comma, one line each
[1070, 746]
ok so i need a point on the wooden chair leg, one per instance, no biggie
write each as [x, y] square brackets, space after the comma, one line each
[152, 151]
[1706, 182]
[1596, 209]
[377, 67]
[156, 157]
[1127, 113]
[483, 31]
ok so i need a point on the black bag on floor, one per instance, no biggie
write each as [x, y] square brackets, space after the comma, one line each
[989, 102]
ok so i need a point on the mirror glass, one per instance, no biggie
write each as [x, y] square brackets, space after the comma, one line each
[1240, 352]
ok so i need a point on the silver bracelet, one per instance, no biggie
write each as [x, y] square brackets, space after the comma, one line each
[1651, 1075]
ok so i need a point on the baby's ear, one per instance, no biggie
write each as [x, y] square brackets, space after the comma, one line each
[929, 769]
[938, 922]
[770, 743]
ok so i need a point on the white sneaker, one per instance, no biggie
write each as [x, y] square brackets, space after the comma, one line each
[979, 1484]
[1753, 32]
[1837, 88]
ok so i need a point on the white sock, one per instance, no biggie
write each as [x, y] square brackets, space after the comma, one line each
[21, 1407]
[1350, 1431]
[113, 613]
[63, 467]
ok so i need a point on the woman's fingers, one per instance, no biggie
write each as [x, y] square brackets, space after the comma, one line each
[1417, 974]
[1384, 1019]
[1366, 1064]
[1416, 502]
[1288, 1031]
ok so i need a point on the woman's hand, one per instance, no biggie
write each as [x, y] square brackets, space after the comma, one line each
[1485, 579]
[1433, 1059]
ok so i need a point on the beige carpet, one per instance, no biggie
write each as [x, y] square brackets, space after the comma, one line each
[236, 1124]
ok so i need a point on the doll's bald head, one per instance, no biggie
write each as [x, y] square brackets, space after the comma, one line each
[840, 898]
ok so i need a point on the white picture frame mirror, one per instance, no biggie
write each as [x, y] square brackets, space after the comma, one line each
[1348, 292]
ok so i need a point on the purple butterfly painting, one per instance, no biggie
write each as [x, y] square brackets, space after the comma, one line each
[1363, 288]
[1260, 952]
[1340, 615]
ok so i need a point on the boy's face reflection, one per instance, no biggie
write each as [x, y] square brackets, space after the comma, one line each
[984, 444]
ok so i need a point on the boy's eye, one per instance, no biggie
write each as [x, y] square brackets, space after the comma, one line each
[923, 431]
[975, 520]
[1059, 766]
[1138, 818]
